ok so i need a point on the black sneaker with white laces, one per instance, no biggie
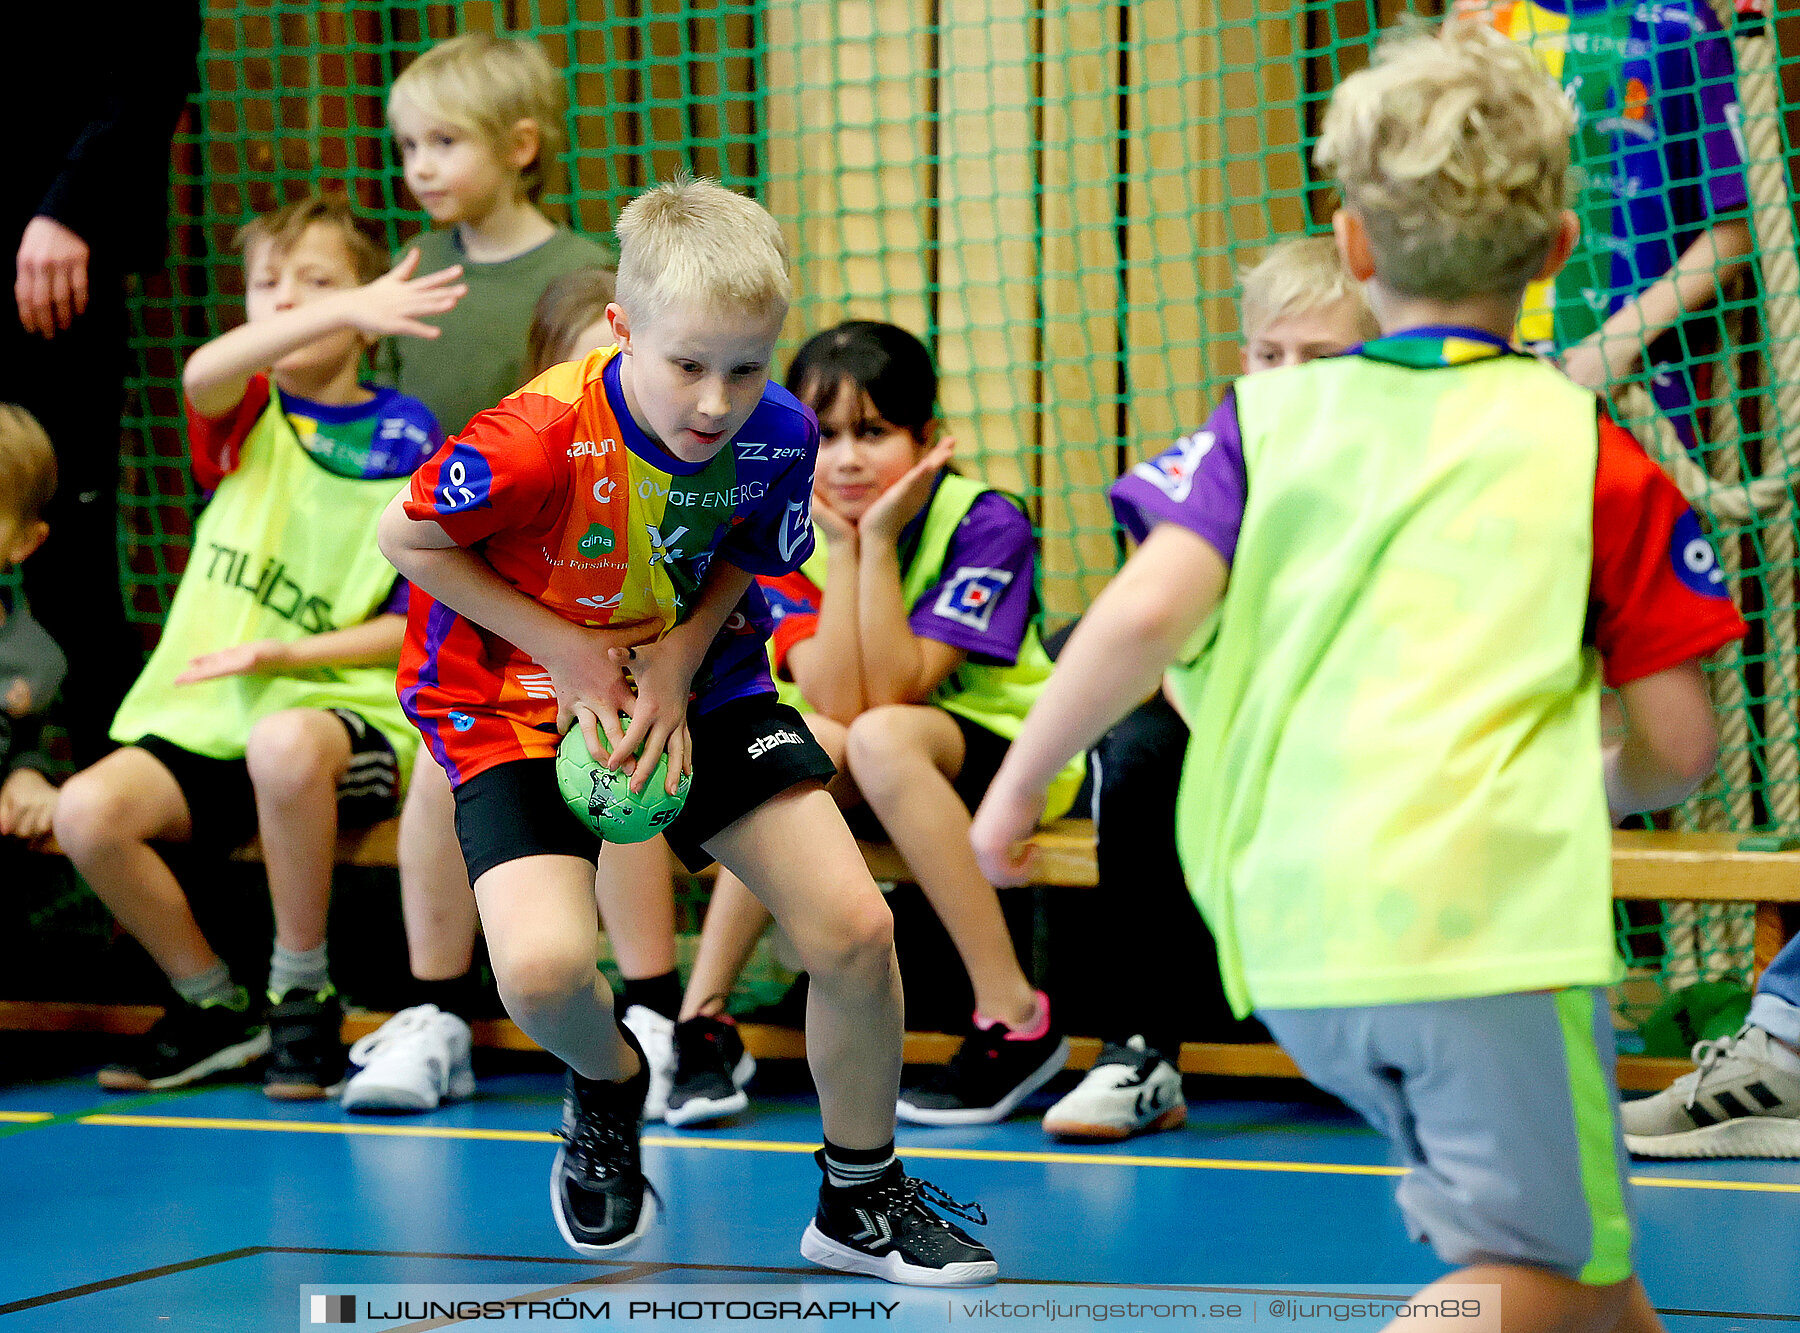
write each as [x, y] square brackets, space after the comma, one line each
[598, 1193]
[306, 1046]
[187, 1044]
[711, 1068]
[888, 1229]
[986, 1079]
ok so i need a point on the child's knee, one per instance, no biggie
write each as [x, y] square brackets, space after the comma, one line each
[93, 810]
[876, 744]
[857, 945]
[543, 980]
[295, 751]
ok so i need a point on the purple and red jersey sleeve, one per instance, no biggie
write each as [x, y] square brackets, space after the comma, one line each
[982, 601]
[1657, 595]
[496, 476]
[794, 607]
[1198, 483]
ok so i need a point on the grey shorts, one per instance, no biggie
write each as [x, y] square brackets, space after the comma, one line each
[1504, 1108]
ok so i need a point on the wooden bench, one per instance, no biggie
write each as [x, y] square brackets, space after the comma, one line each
[1065, 856]
[1648, 866]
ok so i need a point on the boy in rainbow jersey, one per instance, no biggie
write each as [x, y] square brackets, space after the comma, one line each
[612, 515]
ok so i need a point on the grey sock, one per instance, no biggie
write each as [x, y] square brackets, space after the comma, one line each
[302, 971]
[213, 986]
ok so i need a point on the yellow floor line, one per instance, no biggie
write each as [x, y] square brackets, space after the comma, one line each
[785, 1146]
[24, 1117]
[318, 1127]
[1673, 1183]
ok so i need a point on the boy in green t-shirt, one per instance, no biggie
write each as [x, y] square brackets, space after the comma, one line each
[479, 121]
[1394, 811]
[268, 706]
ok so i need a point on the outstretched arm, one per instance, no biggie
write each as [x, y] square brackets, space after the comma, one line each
[1614, 351]
[217, 375]
[375, 642]
[1112, 661]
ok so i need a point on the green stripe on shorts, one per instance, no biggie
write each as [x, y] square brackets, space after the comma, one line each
[1594, 1103]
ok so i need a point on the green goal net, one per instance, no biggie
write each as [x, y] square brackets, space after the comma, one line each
[1058, 198]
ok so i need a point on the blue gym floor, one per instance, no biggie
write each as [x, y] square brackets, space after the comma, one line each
[213, 1208]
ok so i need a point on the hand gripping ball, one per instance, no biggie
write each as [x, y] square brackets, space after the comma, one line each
[603, 800]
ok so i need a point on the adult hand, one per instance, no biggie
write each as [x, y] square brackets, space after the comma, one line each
[895, 507]
[244, 659]
[51, 285]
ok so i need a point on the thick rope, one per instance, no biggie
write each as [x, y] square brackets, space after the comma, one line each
[1729, 939]
[1759, 91]
[1735, 807]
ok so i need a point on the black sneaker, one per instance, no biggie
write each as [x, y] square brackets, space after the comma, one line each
[598, 1193]
[306, 1046]
[888, 1230]
[711, 1068]
[986, 1079]
[188, 1043]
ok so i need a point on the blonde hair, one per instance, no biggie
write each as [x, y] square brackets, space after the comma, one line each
[27, 465]
[574, 302]
[1296, 277]
[1453, 150]
[486, 85]
[282, 228]
[694, 241]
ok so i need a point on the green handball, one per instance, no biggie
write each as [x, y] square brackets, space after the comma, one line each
[603, 800]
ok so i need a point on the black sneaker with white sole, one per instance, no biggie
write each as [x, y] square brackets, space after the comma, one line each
[711, 1068]
[307, 1060]
[598, 1193]
[889, 1229]
[986, 1079]
[187, 1044]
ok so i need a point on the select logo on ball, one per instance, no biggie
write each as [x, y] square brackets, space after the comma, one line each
[602, 799]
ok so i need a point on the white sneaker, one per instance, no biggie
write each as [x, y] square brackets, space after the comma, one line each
[1130, 1090]
[415, 1060]
[1743, 1101]
[656, 1034]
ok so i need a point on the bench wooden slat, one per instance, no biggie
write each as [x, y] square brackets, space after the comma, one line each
[1637, 1073]
[1065, 857]
[376, 845]
[1648, 865]
[1700, 867]
[1220, 1059]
